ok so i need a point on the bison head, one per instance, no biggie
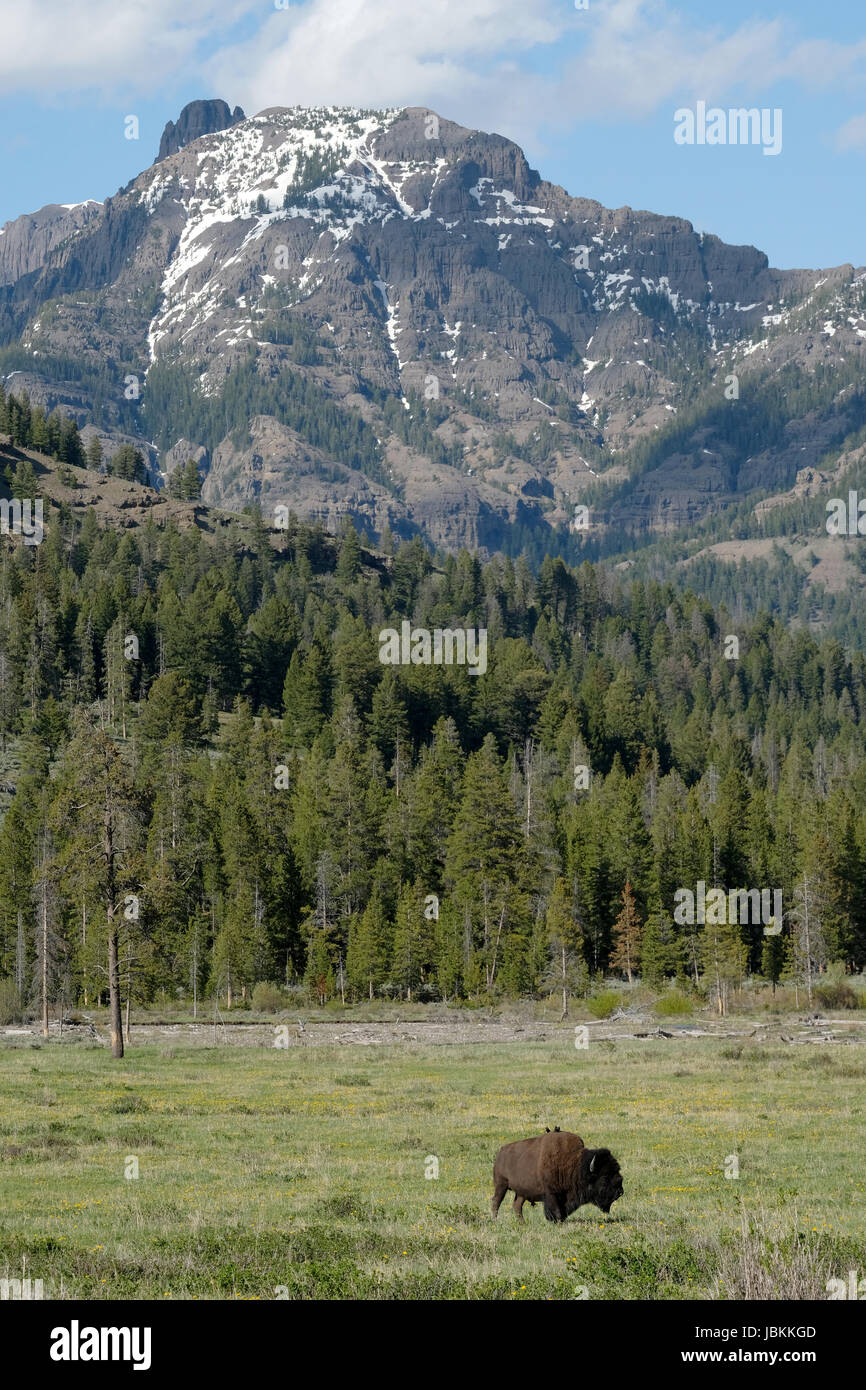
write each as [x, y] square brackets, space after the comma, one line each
[602, 1179]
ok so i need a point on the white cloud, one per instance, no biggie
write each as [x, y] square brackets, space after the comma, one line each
[470, 59]
[455, 55]
[53, 46]
[852, 135]
[620, 59]
[644, 54]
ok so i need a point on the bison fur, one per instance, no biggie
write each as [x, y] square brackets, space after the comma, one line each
[557, 1169]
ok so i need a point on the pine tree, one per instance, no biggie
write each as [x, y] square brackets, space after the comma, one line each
[627, 936]
[99, 813]
[369, 948]
[234, 949]
[658, 954]
[95, 454]
[565, 940]
[349, 562]
[191, 482]
[773, 959]
[388, 722]
[24, 484]
[118, 681]
[486, 862]
[126, 462]
[307, 694]
[320, 978]
[271, 638]
[812, 904]
[46, 903]
[628, 846]
[723, 954]
[413, 942]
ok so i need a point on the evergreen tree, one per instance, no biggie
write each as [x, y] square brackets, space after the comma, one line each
[723, 955]
[486, 862]
[95, 453]
[413, 942]
[369, 949]
[627, 936]
[307, 694]
[99, 817]
[191, 482]
[566, 943]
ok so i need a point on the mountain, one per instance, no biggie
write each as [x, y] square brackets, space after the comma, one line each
[384, 315]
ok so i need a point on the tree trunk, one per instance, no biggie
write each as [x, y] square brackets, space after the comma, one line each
[44, 956]
[20, 955]
[808, 940]
[195, 974]
[84, 942]
[115, 1022]
[492, 973]
[564, 1014]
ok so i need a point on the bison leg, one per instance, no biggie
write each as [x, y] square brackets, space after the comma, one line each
[518, 1207]
[554, 1206]
[499, 1191]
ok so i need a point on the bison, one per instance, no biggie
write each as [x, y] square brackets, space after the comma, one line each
[556, 1169]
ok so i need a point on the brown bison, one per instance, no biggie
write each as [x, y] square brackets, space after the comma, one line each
[558, 1170]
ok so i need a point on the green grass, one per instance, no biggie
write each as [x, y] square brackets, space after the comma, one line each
[301, 1173]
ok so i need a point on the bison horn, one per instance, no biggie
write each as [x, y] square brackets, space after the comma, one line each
[592, 1164]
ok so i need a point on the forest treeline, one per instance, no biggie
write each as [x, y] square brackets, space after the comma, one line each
[57, 435]
[217, 783]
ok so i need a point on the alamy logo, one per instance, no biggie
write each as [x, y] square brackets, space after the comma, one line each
[26, 519]
[738, 126]
[19, 1290]
[76, 1343]
[846, 519]
[854, 1288]
[720, 908]
[442, 647]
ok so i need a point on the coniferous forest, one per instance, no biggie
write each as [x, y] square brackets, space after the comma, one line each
[213, 784]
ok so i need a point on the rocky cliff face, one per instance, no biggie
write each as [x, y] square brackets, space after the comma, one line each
[28, 242]
[196, 119]
[386, 315]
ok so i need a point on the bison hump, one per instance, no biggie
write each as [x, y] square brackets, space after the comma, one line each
[559, 1158]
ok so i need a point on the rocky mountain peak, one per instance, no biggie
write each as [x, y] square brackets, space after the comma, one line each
[197, 118]
[386, 315]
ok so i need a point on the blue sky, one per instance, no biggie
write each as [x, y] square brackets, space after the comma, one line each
[590, 94]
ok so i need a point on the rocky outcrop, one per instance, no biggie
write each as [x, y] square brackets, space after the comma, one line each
[27, 242]
[196, 119]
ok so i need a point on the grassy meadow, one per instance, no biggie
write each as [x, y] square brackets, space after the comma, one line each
[301, 1173]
